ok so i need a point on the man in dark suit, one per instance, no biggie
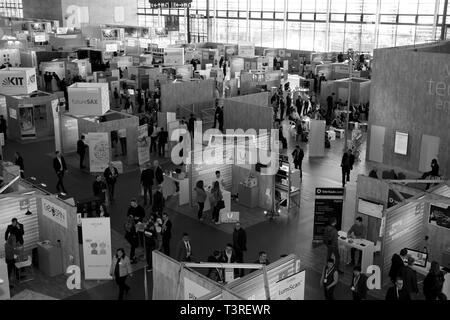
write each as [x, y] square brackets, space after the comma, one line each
[239, 245]
[184, 253]
[99, 188]
[262, 258]
[229, 256]
[359, 284]
[158, 171]
[166, 233]
[81, 150]
[331, 241]
[16, 229]
[59, 164]
[163, 137]
[398, 292]
[147, 177]
[397, 264]
[136, 211]
[111, 173]
[158, 201]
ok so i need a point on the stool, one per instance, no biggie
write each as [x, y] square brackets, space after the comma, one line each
[25, 266]
[339, 133]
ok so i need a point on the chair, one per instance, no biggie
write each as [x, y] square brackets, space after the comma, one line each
[23, 267]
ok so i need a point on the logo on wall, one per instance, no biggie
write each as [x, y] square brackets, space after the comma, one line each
[87, 101]
[12, 82]
[54, 212]
[32, 79]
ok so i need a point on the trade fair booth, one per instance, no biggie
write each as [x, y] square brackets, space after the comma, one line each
[30, 115]
[360, 90]
[88, 99]
[173, 280]
[17, 81]
[253, 82]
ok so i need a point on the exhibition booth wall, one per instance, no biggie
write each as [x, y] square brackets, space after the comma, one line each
[408, 120]
[360, 90]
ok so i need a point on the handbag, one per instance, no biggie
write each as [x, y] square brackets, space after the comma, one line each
[220, 204]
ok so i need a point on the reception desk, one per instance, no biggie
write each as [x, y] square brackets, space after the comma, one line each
[169, 189]
[365, 246]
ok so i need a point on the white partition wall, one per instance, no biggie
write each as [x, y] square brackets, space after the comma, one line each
[18, 81]
[317, 139]
[88, 99]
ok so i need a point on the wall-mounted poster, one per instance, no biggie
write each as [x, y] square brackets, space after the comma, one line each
[328, 204]
[143, 145]
[27, 125]
[440, 215]
[96, 248]
[110, 34]
[401, 143]
[131, 32]
[54, 212]
[99, 151]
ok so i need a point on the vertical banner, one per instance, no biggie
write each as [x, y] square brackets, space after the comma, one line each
[96, 248]
[27, 125]
[56, 124]
[328, 204]
[291, 288]
[143, 145]
[99, 151]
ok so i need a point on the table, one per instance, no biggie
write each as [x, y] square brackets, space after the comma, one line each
[365, 246]
[169, 188]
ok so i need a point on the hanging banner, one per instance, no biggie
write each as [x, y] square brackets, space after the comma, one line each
[56, 124]
[96, 248]
[328, 204]
[291, 288]
[54, 212]
[143, 145]
[99, 151]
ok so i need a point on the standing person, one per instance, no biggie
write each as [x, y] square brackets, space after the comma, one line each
[299, 105]
[3, 126]
[262, 258]
[191, 124]
[359, 284]
[397, 264]
[357, 231]
[219, 179]
[220, 119]
[116, 97]
[348, 159]
[158, 201]
[166, 233]
[282, 108]
[137, 211]
[434, 173]
[229, 256]
[81, 150]
[18, 161]
[132, 237]
[158, 233]
[201, 198]
[331, 241]
[150, 242]
[123, 140]
[111, 173]
[147, 177]
[158, 171]
[10, 258]
[409, 276]
[163, 137]
[15, 229]
[59, 164]
[120, 270]
[184, 253]
[216, 115]
[398, 292]
[433, 283]
[154, 138]
[239, 245]
[216, 200]
[298, 156]
[329, 279]
[99, 187]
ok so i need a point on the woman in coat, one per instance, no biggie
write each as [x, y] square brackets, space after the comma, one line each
[120, 270]
[432, 285]
[201, 198]
[132, 237]
[216, 200]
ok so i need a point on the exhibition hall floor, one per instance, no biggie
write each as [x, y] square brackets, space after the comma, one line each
[292, 234]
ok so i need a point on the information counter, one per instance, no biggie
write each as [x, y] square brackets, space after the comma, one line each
[169, 188]
[366, 247]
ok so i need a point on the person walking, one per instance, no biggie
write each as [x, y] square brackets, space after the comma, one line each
[111, 174]
[216, 200]
[166, 233]
[298, 154]
[331, 241]
[123, 140]
[137, 211]
[163, 137]
[99, 188]
[359, 284]
[158, 201]
[184, 252]
[15, 229]
[409, 276]
[154, 139]
[220, 119]
[397, 264]
[348, 159]
[81, 150]
[132, 237]
[18, 161]
[120, 270]
[147, 177]
[60, 167]
[433, 282]
[239, 245]
[201, 198]
[191, 124]
[150, 242]
[158, 171]
[329, 279]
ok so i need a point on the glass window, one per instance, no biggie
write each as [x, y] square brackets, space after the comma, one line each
[255, 5]
[321, 17]
[293, 16]
[278, 31]
[293, 35]
[354, 17]
[337, 37]
[386, 35]
[267, 36]
[268, 5]
[294, 5]
[308, 16]
[337, 17]
[267, 15]
[307, 35]
[408, 6]
[425, 20]
[320, 37]
[406, 19]
[255, 32]
[405, 35]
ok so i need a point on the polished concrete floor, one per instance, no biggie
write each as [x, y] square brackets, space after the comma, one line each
[291, 234]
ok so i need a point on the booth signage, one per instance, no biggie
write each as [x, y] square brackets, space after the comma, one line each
[18, 81]
[291, 288]
[193, 291]
[54, 212]
[99, 151]
[229, 217]
[143, 145]
[96, 248]
[328, 204]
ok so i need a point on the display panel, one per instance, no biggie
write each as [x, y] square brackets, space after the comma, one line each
[369, 208]
[401, 143]
[420, 258]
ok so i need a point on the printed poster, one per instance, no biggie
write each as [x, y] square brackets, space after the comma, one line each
[291, 288]
[54, 212]
[143, 145]
[97, 250]
[99, 151]
[27, 125]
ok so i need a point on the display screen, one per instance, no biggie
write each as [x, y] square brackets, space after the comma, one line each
[370, 208]
[131, 91]
[401, 143]
[420, 258]
[111, 47]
